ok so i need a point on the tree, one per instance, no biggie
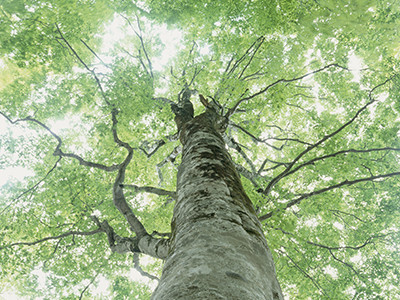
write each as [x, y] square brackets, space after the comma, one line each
[313, 149]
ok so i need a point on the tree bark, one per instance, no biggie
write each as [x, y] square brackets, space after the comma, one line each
[217, 249]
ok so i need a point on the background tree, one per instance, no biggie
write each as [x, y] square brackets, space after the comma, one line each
[314, 136]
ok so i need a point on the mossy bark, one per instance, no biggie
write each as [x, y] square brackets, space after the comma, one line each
[218, 249]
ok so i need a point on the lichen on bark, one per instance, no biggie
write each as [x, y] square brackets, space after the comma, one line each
[217, 248]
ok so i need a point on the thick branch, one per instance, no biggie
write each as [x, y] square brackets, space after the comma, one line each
[120, 202]
[88, 163]
[146, 244]
[153, 149]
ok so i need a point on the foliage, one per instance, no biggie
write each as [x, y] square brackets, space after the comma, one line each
[315, 140]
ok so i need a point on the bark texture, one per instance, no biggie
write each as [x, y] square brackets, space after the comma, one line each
[217, 248]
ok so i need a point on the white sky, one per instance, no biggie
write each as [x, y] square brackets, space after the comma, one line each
[117, 31]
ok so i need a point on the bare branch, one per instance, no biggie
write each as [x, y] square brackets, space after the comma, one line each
[253, 137]
[149, 71]
[170, 158]
[277, 165]
[261, 41]
[336, 211]
[88, 163]
[145, 147]
[32, 188]
[343, 262]
[120, 202]
[94, 53]
[117, 243]
[146, 244]
[59, 152]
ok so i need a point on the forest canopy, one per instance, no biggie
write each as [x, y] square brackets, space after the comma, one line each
[310, 90]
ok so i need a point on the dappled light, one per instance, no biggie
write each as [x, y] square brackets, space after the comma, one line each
[153, 149]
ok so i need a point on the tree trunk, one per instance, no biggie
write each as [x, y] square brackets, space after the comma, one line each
[218, 249]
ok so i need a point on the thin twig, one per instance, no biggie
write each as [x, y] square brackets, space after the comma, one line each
[233, 109]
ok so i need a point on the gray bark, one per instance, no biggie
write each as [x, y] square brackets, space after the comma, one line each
[217, 249]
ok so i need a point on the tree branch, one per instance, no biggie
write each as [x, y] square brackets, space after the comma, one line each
[69, 233]
[326, 137]
[58, 151]
[136, 263]
[234, 145]
[315, 283]
[261, 41]
[171, 157]
[84, 64]
[233, 109]
[312, 161]
[149, 189]
[32, 188]
[88, 285]
[326, 189]
[139, 35]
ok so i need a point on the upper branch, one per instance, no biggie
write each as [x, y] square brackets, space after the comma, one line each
[32, 188]
[58, 151]
[326, 137]
[84, 64]
[117, 140]
[312, 161]
[73, 233]
[329, 188]
[140, 36]
[233, 109]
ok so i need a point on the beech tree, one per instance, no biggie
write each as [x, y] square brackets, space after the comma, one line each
[265, 150]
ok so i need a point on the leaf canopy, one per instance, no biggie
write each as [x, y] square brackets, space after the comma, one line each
[311, 90]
